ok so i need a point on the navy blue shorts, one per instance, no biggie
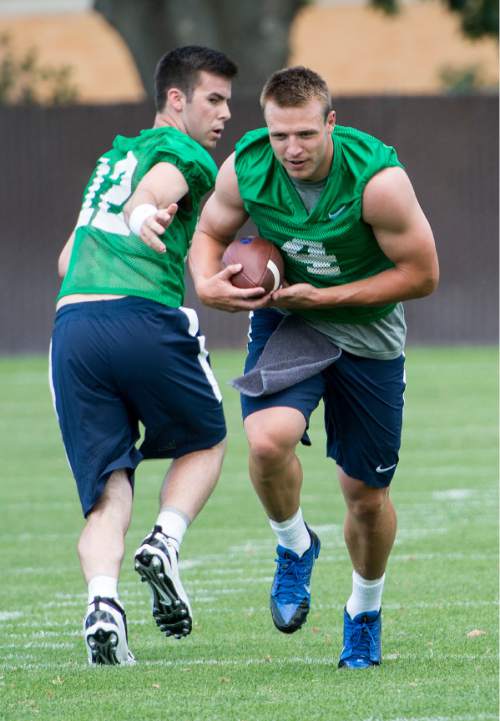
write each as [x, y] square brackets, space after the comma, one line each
[363, 400]
[115, 363]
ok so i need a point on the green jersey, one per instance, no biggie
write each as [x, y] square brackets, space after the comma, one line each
[384, 338]
[107, 257]
[331, 244]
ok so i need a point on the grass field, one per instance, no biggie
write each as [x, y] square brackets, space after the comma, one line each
[440, 605]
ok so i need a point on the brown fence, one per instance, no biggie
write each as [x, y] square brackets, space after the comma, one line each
[448, 144]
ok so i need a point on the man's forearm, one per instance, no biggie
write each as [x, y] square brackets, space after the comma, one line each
[204, 256]
[389, 286]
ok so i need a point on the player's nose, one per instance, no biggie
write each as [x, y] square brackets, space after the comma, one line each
[224, 113]
[294, 148]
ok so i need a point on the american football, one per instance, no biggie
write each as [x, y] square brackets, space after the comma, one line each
[261, 260]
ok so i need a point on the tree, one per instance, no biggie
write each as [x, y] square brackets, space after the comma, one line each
[253, 34]
[478, 17]
[25, 81]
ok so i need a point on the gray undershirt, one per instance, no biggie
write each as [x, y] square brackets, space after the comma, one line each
[383, 339]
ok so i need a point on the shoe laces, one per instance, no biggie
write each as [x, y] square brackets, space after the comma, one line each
[160, 539]
[362, 640]
[292, 575]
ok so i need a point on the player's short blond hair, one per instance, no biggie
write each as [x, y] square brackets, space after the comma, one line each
[296, 86]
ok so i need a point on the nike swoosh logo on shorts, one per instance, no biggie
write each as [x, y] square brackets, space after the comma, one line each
[379, 468]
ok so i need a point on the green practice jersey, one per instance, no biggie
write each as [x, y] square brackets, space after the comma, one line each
[331, 245]
[107, 257]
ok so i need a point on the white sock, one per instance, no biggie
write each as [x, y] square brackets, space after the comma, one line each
[105, 586]
[292, 533]
[174, 524]
[366, 595]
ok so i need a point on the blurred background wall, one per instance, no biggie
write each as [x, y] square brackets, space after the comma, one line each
[396, 77]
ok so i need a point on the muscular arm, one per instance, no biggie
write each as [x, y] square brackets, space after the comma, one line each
[162, 186]
[222, 216]
[403, 233]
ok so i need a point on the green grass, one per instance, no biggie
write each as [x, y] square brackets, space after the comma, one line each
[441, 583]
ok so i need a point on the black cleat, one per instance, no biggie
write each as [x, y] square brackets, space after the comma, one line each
[105, 633]
[157, 564]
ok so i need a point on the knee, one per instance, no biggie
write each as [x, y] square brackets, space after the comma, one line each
[272, 437]
[368, 506]
[267, 451]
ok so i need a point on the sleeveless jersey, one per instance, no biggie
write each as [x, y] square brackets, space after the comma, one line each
[107, 257]
[331, 245]
[382, 339]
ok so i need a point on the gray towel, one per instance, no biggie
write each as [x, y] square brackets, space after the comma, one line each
[294, 352]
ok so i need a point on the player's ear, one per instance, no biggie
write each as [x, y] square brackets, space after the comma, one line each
[176, 98]
[330, 120]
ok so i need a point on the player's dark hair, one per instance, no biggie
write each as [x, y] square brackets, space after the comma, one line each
[296, 86]
[180, 68]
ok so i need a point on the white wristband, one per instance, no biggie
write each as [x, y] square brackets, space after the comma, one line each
[139, 215]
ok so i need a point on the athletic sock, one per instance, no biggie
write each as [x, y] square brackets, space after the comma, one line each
[174, 524]
[292, 533]
[104, 586]
[366, 595]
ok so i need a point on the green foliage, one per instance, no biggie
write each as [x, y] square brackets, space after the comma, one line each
[24, 81]
[389, 7]
[478, 17]
[462, 81]
[440, 603]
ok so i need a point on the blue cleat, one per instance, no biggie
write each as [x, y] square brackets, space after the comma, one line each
[362, 640]
[291, 590]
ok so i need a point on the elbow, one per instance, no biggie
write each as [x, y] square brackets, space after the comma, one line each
[433, 278]
[434, 282]
[429, 282]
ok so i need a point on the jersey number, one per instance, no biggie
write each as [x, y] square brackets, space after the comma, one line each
[106, 195]
[312, 254]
